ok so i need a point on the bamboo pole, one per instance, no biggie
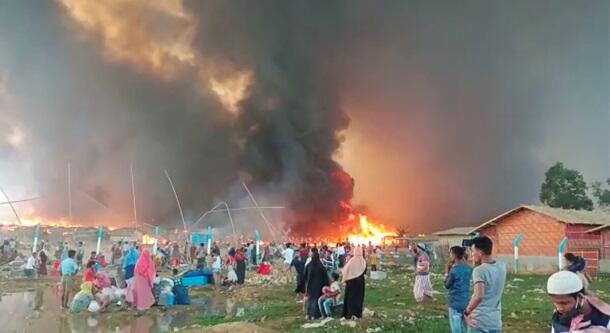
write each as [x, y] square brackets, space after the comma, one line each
[10, 203]
[133, 195]
[177, 200]
[260, 211]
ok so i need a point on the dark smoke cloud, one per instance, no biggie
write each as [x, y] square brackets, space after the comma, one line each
[456, 109]
[101, 117]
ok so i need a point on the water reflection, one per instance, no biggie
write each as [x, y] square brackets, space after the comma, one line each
[38, 311]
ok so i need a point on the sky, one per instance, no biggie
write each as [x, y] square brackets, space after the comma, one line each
[444, 114]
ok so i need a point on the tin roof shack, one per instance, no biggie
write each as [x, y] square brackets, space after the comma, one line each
[543, 228]
[124, 234]
[454, 236]
[86, 235]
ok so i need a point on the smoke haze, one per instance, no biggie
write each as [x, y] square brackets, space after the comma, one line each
[444, 114]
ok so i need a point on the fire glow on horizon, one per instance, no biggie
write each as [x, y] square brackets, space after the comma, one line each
[30, 218]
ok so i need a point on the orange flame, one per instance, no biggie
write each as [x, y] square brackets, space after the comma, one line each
[31, 219]
[368, 231]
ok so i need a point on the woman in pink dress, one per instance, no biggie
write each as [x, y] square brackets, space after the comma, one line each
[140, 290]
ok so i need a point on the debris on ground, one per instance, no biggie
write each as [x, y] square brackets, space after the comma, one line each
[235, 327]
[318, 324]
[366, 313]
[349, 323]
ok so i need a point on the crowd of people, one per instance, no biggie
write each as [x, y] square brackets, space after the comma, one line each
[329, 280]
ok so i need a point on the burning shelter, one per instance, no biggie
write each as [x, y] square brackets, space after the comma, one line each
[542, 229]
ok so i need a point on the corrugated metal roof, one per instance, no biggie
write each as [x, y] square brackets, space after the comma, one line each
[568, 216]
[601, 227]
[459, 231]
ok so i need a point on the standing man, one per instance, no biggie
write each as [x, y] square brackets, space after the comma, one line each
[68, 270]
[80, 254]
[288, 255]
[201, 254]
[484, 311]
[457, 281]
[341, 254]
[30, 266]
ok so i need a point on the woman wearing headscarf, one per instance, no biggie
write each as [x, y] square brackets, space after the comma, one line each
[129, 262]
[316, 278]
[101, 280]
[353, 277]
[140, 290]
[240, 266]
[423, 286]
[42, 262]
[82, 299]
[298, 262]
[230, 261]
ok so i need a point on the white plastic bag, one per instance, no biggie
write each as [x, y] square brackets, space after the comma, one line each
[232, 276]
[94, 307]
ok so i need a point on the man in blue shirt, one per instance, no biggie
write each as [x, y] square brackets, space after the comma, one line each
[68, 269]
[457, 281]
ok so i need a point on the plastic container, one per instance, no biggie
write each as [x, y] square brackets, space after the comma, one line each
[194, 281]
[166, 299]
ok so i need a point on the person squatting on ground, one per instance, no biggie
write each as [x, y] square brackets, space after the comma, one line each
[577, 264]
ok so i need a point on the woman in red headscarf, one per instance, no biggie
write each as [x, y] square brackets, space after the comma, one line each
[140, 290]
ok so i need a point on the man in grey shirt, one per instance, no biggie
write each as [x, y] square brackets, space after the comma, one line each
[484, 311]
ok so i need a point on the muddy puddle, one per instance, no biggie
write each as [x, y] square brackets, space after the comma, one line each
[37, 310]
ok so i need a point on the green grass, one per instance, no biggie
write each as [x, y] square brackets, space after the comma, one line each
[526, 307]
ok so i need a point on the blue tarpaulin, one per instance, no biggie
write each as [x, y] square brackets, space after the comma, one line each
[198, 238]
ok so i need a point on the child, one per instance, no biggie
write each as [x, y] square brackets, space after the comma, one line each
[373, 260]
[176, 277]
[216, 267]
[330, 296]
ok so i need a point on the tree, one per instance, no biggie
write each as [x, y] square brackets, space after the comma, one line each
[565, 188]
[402, 232]
[602, 194]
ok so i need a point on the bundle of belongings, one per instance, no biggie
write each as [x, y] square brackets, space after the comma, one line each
[96, 297]
[264, 268]
[163, 291]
